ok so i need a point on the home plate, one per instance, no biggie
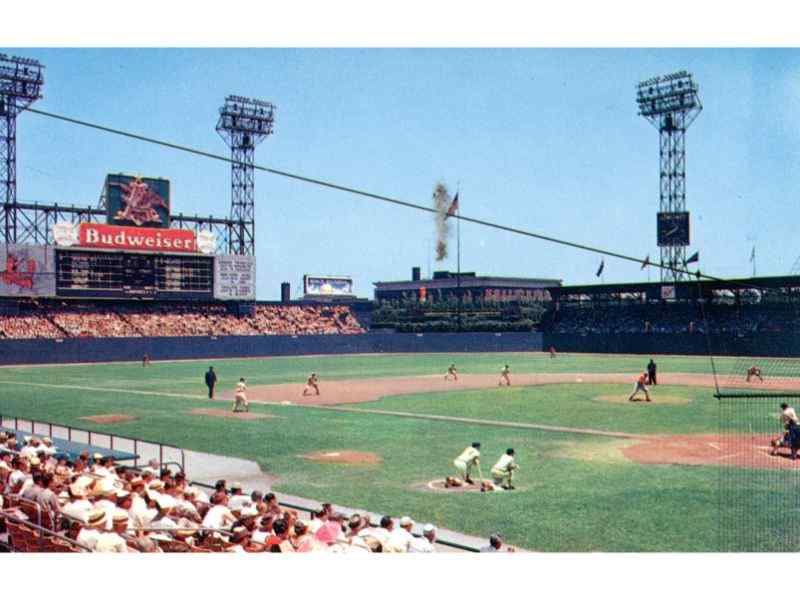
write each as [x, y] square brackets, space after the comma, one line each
[285, 402]
[332, 454]
[579, 380]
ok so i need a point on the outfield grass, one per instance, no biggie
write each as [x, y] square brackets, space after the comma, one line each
[576, 493]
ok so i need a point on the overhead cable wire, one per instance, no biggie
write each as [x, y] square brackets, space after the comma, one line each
[351, 190]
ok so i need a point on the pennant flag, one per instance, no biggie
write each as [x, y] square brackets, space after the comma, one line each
[692, 259]
[646, 262]
[453, 207]
[600, 268]
[753, 254]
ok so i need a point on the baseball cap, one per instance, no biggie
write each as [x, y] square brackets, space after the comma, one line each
[406, 521]
[428, 528]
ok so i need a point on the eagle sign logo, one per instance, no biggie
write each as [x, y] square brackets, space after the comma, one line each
[140, 203]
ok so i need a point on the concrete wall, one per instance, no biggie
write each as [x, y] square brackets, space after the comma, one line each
[172, 348]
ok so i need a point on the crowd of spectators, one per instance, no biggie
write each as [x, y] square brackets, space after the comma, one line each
[106, 508]
[174, 319]
[672, 318]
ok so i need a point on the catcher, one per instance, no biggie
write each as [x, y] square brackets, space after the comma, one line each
[754, 371]
[451, 372]
[503, 470]
[468, 459]
[312, 382]
[240, 403]
[791, 437]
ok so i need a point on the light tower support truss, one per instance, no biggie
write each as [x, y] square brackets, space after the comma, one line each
[21, 82]
[243, 123]
[671, 103]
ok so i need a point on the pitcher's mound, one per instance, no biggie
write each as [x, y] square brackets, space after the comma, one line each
[229, 414]
[659, 399]
[108, 419]
[344, 457]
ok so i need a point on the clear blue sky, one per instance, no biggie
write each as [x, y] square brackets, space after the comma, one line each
[546, 140]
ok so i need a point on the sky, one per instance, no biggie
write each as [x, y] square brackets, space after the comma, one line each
[546, 140]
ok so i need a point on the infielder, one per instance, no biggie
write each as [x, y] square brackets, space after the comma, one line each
[312, 382]
[640, 386]
[504, 376]
[468, 459]
[754, 371]
[240, 403]
[503, 470]
[451, 372]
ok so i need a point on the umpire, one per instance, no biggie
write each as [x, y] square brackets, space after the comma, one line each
[651, 372]
[211, 381]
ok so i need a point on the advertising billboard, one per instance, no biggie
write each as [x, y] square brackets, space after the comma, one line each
[318, 285]
[137, 201]
[27, 270]
[114, 237]
[234, 277]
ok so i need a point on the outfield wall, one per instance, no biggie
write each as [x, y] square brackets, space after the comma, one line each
[175, 348]
[761, 344]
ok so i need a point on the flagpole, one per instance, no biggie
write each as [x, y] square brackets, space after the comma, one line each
[754, 260]
[458, 253]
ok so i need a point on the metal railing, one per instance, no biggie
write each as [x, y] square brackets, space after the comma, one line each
[115, 442]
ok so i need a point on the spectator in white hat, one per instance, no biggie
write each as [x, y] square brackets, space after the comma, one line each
[400, 537]
[113, 541]
[90, 531]
[164, 505]
[426, 542]
[238, 498]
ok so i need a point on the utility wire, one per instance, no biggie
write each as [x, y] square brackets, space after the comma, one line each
[645, 262]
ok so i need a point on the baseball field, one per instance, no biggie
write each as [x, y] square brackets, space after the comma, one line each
[598, 473]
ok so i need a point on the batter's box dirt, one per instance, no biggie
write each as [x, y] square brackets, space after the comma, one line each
[744, 451]
[229, 414]
[656, 399]
[344, 457]
[108, 419]
[438, 486]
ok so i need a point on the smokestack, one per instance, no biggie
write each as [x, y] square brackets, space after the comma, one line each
[286, 292]
[415, 274]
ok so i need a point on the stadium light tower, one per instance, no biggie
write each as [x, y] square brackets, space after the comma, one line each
[243, 123]
[671, 104]
[21, 81]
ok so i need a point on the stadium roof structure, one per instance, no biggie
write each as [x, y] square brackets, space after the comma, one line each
[448, 280]
[683, 289]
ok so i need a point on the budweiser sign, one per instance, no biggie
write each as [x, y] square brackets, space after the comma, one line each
[116, 237]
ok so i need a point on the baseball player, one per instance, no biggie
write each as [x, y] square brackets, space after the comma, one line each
[312, 382]
[240, 403]
[503, 470]
[792, 425]
[504, 376]
[754, 371]
[468, 459]
[651, 372]
[640, 386]
[552, 351]
[451, 372]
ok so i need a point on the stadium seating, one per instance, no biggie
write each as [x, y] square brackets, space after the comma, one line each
[95, 319]
[105, 508]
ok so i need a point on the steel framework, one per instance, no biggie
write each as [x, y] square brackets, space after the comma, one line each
[243, 123]
[21, 81]
[671, 103]
[37, 222]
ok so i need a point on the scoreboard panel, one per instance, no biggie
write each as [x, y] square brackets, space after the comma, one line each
[100, 274]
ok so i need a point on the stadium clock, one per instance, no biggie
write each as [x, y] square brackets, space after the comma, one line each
[673, 229]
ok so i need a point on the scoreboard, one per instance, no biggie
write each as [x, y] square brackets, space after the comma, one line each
[92, 273]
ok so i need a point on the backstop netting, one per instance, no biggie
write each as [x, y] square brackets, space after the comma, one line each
[759, 481]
